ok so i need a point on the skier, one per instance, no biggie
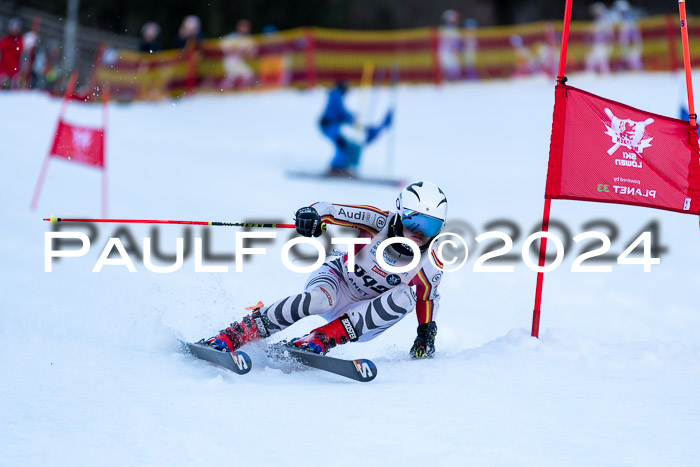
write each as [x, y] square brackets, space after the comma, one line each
[363, 301]
[338, 124]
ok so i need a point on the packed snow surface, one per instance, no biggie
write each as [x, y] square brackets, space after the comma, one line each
[91, 371]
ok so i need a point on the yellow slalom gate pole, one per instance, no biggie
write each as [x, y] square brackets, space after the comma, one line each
[365, 83]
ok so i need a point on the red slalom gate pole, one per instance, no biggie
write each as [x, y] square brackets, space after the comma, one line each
[561, 79]
[692, 116]
[54, 219]
[686, 63]
[105, 120]
[564, 41]
[45, 165]
[540, 275]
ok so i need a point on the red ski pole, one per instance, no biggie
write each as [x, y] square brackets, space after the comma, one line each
[54, 219]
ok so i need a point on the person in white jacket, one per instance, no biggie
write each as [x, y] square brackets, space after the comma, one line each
[358, 296]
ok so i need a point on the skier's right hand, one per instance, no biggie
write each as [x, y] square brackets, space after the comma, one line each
[341, 142]
[424, 345]
[308, 222]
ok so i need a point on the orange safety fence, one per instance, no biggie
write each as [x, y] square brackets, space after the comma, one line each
[306, 57]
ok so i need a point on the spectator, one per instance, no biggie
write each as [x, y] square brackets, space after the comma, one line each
[149, 38]
[275, 68]
[598, 59]
[29, 46]
[629, 35]
[450, 45]
[547, 51]
[10, 53]
[47, 66]
[151, 82]
[190, 29]
[525, 63]
[471, 47]
[237, 48]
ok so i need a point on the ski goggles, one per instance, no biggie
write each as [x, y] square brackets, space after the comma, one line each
[417, 222]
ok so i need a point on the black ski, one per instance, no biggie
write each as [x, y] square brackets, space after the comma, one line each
[362, 370]
[238, 362]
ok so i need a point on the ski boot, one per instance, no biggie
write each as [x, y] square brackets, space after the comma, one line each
[335, 172]
[321, 340]
[251, 328]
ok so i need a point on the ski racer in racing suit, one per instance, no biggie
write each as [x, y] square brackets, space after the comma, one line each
[363, 300]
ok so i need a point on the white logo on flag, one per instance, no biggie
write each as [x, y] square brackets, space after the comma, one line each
[627, 133]
[82, 139]
[686, 205]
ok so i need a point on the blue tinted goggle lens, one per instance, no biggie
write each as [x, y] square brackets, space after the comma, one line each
[417, 222]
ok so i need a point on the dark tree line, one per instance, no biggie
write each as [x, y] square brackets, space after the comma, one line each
[219, 17]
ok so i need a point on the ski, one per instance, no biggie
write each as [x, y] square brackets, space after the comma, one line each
[238, 362]
[347, 178]
[362, 370]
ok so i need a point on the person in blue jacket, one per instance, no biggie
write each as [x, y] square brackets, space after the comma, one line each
[338, 124]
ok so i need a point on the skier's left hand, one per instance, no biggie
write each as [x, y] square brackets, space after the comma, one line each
[372, 133]
[424, 345]
[387, 120]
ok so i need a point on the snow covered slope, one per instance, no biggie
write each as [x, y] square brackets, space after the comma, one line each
[90, 367]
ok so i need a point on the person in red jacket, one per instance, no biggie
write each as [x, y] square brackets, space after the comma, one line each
[10, 52]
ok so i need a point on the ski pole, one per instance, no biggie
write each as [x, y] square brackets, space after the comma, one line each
[366, 82]
[393, 99]
[54, 219]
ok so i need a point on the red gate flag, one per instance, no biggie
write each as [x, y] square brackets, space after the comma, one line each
[605, 151]
[79, 144]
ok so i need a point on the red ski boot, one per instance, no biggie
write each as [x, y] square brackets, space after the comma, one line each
[251, 328]
[322, 339]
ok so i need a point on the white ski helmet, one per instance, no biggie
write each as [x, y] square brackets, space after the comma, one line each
[422, 207]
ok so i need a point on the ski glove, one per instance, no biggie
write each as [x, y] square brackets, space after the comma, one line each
[424, 345]
[341, 142]
[308, 222]
[372, 133]
[388, 119]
